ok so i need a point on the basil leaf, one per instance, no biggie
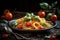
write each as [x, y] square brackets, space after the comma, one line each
[31, 16]
[15, 24]
[4, 21]
[44, 25]
[27, 18]
[49, 15]
[37, 18]
[28, 14]
[54, 4]
[44, 5]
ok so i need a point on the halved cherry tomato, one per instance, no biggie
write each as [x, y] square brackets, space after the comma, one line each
[41, 14]
[41, 27]
[53, 37]
[5, 35]
[19, 26]
[54, 17]
[28, 24]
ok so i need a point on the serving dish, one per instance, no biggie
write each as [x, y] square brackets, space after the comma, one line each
[21, 14]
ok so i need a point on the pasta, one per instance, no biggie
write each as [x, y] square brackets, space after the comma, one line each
[32, 23]
[36, 25]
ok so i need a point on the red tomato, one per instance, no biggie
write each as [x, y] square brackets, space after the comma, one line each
[52, 37]
[54, 17]
[8, 16]
[28, 24]
[41, 27]
[19, 26]
[5, 35]
[41, 14]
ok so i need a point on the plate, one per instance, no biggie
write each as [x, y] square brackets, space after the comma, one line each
[12, 22]
[21, 14]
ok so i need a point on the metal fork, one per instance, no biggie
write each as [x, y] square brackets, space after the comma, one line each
[18, 36]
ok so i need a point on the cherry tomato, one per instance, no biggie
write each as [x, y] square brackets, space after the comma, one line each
[54, 17]
[8, 16]
[19, 26]
[52, 37]
[41, 27]
[5, 35]
[41, 14]
[28, 24]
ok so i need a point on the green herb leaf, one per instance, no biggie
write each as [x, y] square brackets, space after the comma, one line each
[44, 5]
[27, 18]
[4, 21]
[48, 15]
[15, 24]
[31, 16]
[44, 25]
[37, 18]
[54, 4]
